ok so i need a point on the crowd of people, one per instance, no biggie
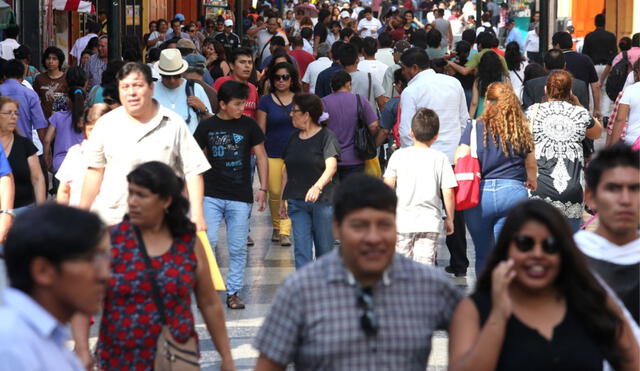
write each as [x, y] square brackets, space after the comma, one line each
[357, 119]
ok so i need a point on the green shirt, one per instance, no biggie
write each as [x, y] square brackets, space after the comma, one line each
[474, 61]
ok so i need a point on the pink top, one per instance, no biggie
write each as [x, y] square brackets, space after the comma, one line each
[633, 54]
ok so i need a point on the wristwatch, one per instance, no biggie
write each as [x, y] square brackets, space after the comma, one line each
[9, 212]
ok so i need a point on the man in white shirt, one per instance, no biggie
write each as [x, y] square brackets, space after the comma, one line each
[370, 64]
[171, 90]
[368, 26]
[613, 249]
[9, 44]
[532, 45]
[314, 68]
[80, 44]
[264, 34]
[153, 133]
[385, 52]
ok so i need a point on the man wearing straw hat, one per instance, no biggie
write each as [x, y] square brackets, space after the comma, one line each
[188, 100]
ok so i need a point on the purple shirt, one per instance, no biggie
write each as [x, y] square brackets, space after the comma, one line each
[66, 137]
[343, 121]
[29, 108]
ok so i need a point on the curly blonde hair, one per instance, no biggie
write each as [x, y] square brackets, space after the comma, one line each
[505, 120]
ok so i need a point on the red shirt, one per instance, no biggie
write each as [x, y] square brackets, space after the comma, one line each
[303, 58]
[251, 105]
[498, 51]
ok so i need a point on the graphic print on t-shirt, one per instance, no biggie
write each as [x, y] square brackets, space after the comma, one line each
[228, 147]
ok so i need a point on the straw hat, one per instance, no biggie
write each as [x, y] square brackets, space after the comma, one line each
[171, 63]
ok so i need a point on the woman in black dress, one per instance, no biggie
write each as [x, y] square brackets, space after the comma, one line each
[537, 306]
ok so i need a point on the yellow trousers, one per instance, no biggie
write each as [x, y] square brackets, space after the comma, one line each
[276, 166]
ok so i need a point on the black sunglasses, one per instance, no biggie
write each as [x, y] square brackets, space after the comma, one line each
[368, 321]
[285, 77]
[526, 243]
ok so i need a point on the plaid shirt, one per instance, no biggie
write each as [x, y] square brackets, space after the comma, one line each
[94, 69]
[314, 321]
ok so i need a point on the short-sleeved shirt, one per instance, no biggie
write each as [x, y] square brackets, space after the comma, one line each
[323, 83]
[320, 30]
[5, 168]
[305, 162]
[343, 121]
[361, 85]
[580, 66]
[421, 174]
[94, 68]
[631, 96]
[52, 93]
[372, 26]
[176, 100]
[303, 59]
[493, 162]
[279, 125]
[251, 104]
[21, 150]
[474, 60]
[66, 136]
[313, 70]
[314, 321]
[165, 138]
[227, 145]
[72, 172]
[389, 115]
[30, 114]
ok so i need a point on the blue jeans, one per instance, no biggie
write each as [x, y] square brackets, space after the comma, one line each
[236, 217]
[497, 197]
[311, 225]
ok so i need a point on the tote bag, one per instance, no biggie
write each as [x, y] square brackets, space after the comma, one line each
[467, 172]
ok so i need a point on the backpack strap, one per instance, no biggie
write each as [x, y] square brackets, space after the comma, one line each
[190, 90]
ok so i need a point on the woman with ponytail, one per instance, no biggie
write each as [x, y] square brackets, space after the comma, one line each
[65, 129]
[559, 126]
[508, 166]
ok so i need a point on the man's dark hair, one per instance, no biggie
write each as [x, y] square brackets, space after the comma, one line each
[618, 155]
[93, 27]
[22, 53]
[385, 40]
[562, 39]
[232, 90]
[635, 40]
[346, 32]
[306, 33]
[439, 12]
[469, 36]
[336, 48]
[296, 41]
[323, 14]
[92, 44]
[135, 67]
[399, 77]
[554, 60]
[173, 21]
[339, 80]
[369, 46]
[57, 52]
[599, 20]
[11, 32]
[624, 44]
[486, 40]
[358, 42]
[348, 55]
[360, 191]
[434, 37]
[415, 56]
[240, 51]
[277, 41]
[13, 69]
[425, 125]
[51, 231]
[153, 55]
[418, 38]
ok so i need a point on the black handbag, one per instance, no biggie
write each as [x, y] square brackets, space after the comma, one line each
[365, 144]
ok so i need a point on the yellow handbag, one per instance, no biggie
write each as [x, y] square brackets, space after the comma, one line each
[372, 167]
[216, 276]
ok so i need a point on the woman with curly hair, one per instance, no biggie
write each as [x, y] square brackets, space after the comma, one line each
[487, 74]
[559, 126]
[537, 306]
[217, 64]
[508, 165]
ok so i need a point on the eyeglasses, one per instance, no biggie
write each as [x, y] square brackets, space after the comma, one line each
[190, 31]
[526, 243]
[171, 77]
[295, 110]
[285, 77]
[368, 321]
[10, 113]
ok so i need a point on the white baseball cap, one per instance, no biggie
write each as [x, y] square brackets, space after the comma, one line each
[228, 23]
[345, 14]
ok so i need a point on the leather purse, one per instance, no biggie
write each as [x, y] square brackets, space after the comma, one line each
[171, 355]
[364, 143]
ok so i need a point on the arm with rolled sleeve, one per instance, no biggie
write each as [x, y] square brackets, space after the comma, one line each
[408, 109]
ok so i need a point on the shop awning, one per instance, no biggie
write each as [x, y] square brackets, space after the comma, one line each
[80, 6]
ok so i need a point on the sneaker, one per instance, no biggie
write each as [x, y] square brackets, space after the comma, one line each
[450, 270]
[285, 240]
[234, 302]
[275, 236]
[250, 241]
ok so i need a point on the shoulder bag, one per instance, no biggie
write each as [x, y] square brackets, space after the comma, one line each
[364, 143]
[467, 172]
[171, 355]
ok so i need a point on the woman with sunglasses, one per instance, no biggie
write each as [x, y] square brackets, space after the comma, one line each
[308, 181]
[537, 306]
[273, 117]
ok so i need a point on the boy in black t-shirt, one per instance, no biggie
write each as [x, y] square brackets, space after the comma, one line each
[227, 140]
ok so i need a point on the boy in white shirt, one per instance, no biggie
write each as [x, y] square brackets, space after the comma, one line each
[368, 25]
[423, 178]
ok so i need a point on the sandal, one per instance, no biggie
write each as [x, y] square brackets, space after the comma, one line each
[234, 302]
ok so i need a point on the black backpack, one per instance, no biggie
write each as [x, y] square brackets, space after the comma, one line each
[617, 77]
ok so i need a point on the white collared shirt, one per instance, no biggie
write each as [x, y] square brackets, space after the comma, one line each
[6, 48]
[444, 95]
[31, 338]
[313, 70]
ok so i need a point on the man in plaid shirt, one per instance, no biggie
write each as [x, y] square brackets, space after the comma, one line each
[360, 307]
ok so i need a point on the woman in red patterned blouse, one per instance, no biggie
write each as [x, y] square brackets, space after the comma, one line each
[131, 322]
